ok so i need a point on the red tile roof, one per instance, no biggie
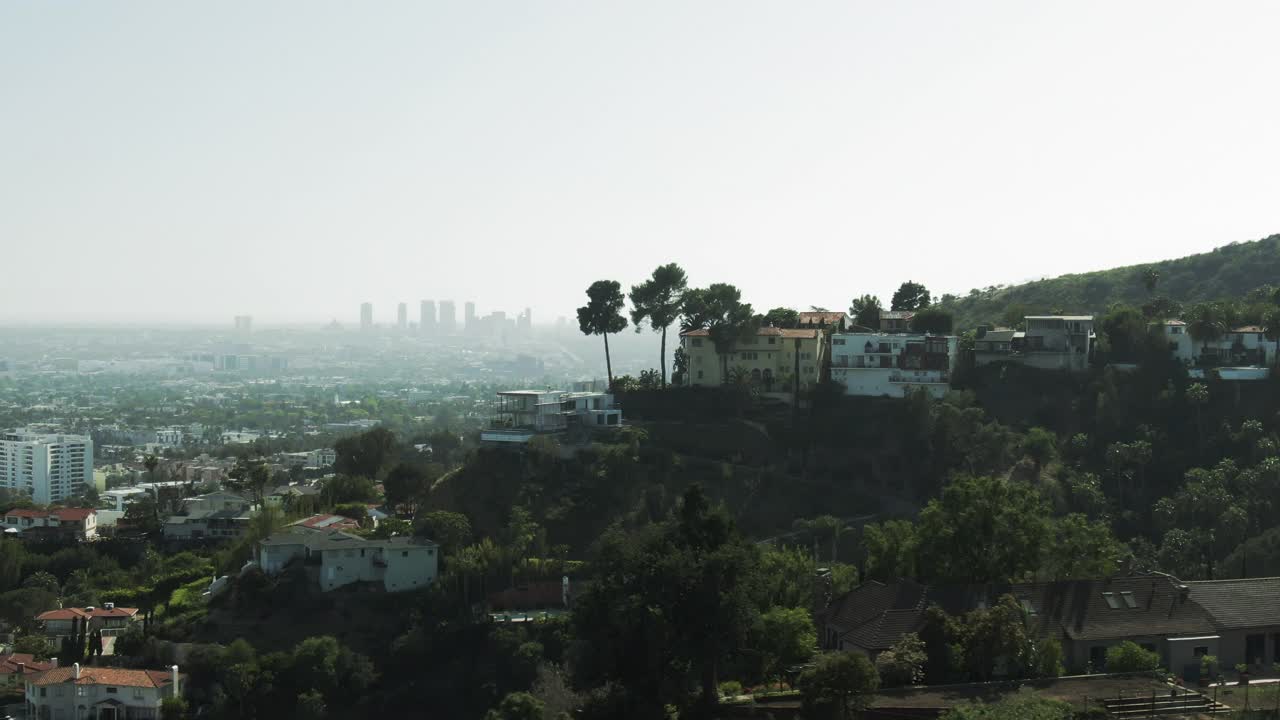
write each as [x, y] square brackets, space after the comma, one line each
[802, 333]
[82, 613]
[107, 676]
[9, 664]
[63, 514]
[327, 521]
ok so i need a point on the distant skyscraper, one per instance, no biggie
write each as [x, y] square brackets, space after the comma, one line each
[244, 325]
[448, 318]
[525, 321]
[469, 318]
[427, 317]
[366, 317]
[402, 317]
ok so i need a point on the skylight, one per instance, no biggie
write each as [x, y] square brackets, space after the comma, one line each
[1113, 602]
[1129, 601]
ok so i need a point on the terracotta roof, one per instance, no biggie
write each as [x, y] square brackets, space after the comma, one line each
[803, 333]
[9, 664]
[1249, 329]
[1244, 603]
[327, 521]
[63, 514]
[82, 613]
[106, 676]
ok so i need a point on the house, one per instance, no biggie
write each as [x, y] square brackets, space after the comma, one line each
[215, 516]
[340, 558]
[1050, 342]
[832, 321]
[111, 620]
[77, 523]
[772, 358]
[896, 321]
[1244, 346]
[520, 415]
[326, 522]
[284, 495]
[17, 668]
[1086, 616]
[1179, 340]
[893, 365]
[1246, 616]
[100, 692]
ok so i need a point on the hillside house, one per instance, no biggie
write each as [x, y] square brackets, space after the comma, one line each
[1246, 616]
[17, 668]
[772, 358]
[1156, 611]
[893, 365]
[215, 516]
[74, 523]
[520, 415]
[829, 321]
[337, 559]
[1050, 342]
[100, 692]
[896, 321]
[108, 618]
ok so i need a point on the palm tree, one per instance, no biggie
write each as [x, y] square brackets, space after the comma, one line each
[1150, 278]
[659, 299]
[603, 315]
[1271, 324]
[1205, 323]
[1198, 395]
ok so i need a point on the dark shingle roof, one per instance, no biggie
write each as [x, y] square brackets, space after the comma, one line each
[1245, 603]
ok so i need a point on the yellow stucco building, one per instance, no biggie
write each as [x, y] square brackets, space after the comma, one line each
[770, 359]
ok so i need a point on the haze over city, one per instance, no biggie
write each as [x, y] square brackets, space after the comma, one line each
[169, 163]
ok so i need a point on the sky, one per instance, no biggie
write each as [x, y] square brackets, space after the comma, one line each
[181, 161]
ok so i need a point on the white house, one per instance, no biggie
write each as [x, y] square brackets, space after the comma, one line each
[1180, 343]
[892, 365]
[81, 523]
[397, 563]
[100, 692]
[215, 516]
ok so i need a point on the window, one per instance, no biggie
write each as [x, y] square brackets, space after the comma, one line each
[404, 553]
[837, 341]
[111, 691]
[137, 693]
[1255, 648]
[1128, 599]
[1200, 651]
[773, 341]
[699, 374]
[697, 342]
[1113, 601]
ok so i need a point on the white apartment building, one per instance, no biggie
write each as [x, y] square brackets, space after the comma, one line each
[48, 467]
[892, 364]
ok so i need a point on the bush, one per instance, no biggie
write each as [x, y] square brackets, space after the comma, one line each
[1130, 657]
[730, 688]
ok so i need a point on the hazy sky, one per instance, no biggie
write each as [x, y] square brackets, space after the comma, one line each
[181, 160]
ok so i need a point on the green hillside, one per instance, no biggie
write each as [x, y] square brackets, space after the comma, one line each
[1226, 272]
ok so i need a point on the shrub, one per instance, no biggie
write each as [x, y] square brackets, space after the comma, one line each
[1130, 657]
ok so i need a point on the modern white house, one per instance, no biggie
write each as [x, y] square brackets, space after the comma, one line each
[79, 523]
[48, 467]
[341, 558]
[1050, 342]
[520, 415]
[893, 365]
[104, 693]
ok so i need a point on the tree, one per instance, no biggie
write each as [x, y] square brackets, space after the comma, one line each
[866, 311]
[982, 529]
[1198, 396]
[259, 477]
[1129, 657]
[1271, 324]
[353, 510]
[891, 549]
[407, 483]
[37, 646]
[365, 454]
[1126, 331]
[602, 315]
[786, 638]
[1080, 549]
[910, 296]
[659, 299]
[450, 529]
[1150, 279]
[987, 635]
[517, 706]
[837, 685]
[902, 664]
[720, 311]
[932, 321]
[1206, 322]
[827, 526]
[42, 581]
[311, 706]
[1040, 445]
[781, 317]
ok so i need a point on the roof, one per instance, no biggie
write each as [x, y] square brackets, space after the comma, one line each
[106, 676]
[82, 613]
[874, 615]
[327, 521]
[1059, 317]
[1244, 603]
[1174, 322]
[9, 664]
[997, 336]
[1249, 329]
[63, 514]
[801, 333]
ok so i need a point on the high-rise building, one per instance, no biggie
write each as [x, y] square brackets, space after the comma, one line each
[402, 317]
[48, 467]
[448, 318]
[469, 318]
[366, 317]
[525, 322]
[427, 317]
[244, 325]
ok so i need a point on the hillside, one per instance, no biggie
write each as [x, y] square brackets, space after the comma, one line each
[1226, 272]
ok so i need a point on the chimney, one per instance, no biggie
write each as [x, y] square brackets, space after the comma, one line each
[109, 606]
[22, 671]
[177, 692]
[53, 662]
[75, 671]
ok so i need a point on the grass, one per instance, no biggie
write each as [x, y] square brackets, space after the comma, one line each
[1261, 697]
